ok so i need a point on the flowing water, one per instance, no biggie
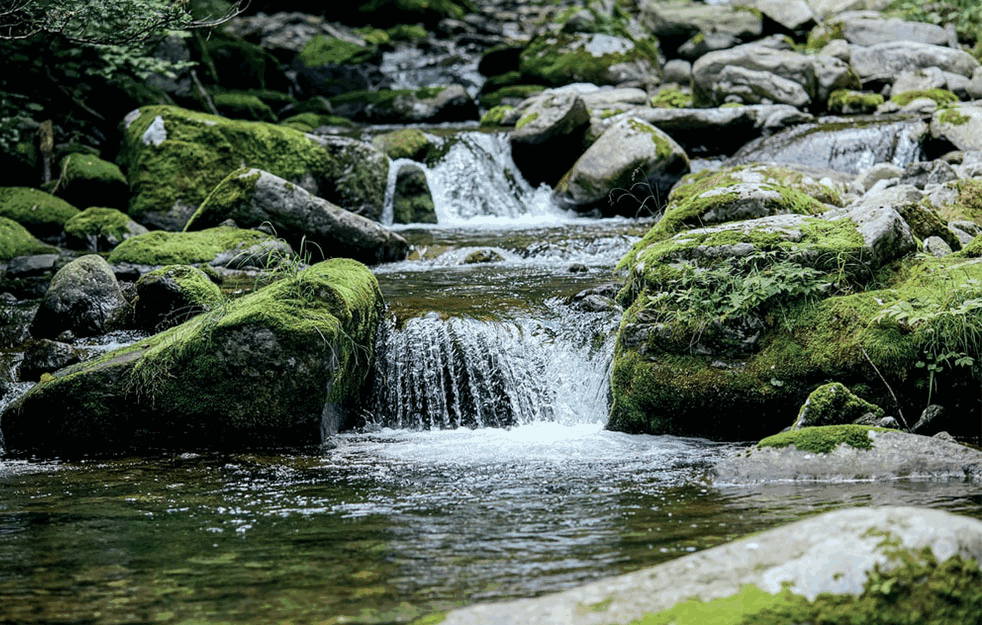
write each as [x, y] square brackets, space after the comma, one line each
[483, 472]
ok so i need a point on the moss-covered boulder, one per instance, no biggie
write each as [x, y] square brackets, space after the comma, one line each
[406, 106]
[83, 298]
[173, 294]
[360, 181]
[87, 180]
[331, 66]
[311, 122]
[960, 125]
[15, 241]
[549, 136]
[99, 229]
[871, 565]
[253, 198]
[235, 63]
[834, 404]
[175, 157]
[243, 106]
[602, 59]
[278, 367]
[626, 171]
[411, 143]
[412, 201]
[221, 246]
[849, 102]
[43, 214]
[966, 204]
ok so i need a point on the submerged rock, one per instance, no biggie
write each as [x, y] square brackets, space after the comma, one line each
[886, 564]
[273, 368]
[850, 452]
[251, 198]
[627, 170]
[83, 298]
[173, 294]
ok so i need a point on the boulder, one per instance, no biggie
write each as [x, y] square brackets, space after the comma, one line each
[849, 453]
[598, 58]
[173, 294]
[282, 366]
[628, 169]
[46, 356]
[412, 202]
[83, 298]
[789, 15]
[549, 136]
[330, 66]
[883, 62]
[223, 246]
[176, 157]
[865, 565]
[87, 180]
[359, 182]
[834, 404]
[406, 106]
[782, 76]
[411, 143]
[16, 241]
[43, 214]
[243, 106]
[314, 226]
[676, 22]
[98, 229]
[867, 28]
[959, 125]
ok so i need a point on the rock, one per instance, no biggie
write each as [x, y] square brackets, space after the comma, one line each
[783, 76]
[32, 266]
[790, 15]
[483, 256]
[715, 130]
[849, 147]
[176, 157]
[930, 420]
[548, 138]
[235, 63]
[173, 294]
[936, 246]
[923, 79]
[833, 562]
[16, 241]
[45, 356]
[847, 102]
[701, 44]
[838, 49]
[223, 246]
[360, 180]
[850, 452]
[878, 172]
[83, 298]
[924, 173]
[412, 202]
[407, 106]
[314, 226]
[578, 268]
[87, 180]
[332, 66]
[834, 404]
[15, 321]
[282, 366]
[674, 23]
[678, 71]
[960, 125]
[100, 229]
[411, 143]
[243, 106]
[883, 62]
[43, 214]
[631, 161]
[598, 58]
[944, 436]
[864, 28]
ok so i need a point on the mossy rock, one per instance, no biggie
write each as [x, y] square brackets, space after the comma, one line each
[173, 294]
[512, 95]
[941, 97]
[672, 98]
[243, 106]
[973, 249]
[834, 404]
[331, 66]
[235, 63]
[100, 229]
[407, 106]
[309, 122]
[217, 246]
[823, 439]
[175, 157]
[848, 102]
[278, 367]
[412, 202]
[496, 116]
[410, 143]
[601, 59]
[968, 206]
[87, 180]
[43, 214]
[16, 241]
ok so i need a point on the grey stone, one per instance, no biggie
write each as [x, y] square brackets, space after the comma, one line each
[84, 298]
[919, 80]
[30, 266]
[930, 419]
[923, 173]
[548, 138]
[701, 44]
[884, 62]
[961, 125]
[793, 15]
[46, 356]
[870, 28]
[837, 48]
[936, 246]
[172, 295]
[680, 21]
[878, 172]
[678, 71]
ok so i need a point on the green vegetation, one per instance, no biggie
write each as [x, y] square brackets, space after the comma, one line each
[968, 207]
[99, 222]
[525, 120]
[43, 214]
[848, 102]
[940, 96]
[15, 241]
[323, 50]
[496, 116]
[671, 98]
[559, 59]
[965, 15]
[822, 439]
[88, 180]
[410, 143]
[185, 248]
[953, 117]
[834, 404]
[243, 106]
[511, 92]
[174, 293]
[309, 122]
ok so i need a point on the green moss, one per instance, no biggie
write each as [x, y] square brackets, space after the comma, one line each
[234, 190]
[374, 36]
[968, 207]
[834, 404]
[823, 439]
[431, 619]
[526, 120]
[846, 102]
[407, 32]
[43, 214]
[496, 116]
[940, 96]
[243, 106]
[96, 221]
[409, 143]
[822, 35]
[15, 241]
[200, 150]
[953, 118]
[671, 98]
[309, 122]
[80, 166]
[560, 59]
[184, 248]
[323, 50]
[512, 92]
[195, 286]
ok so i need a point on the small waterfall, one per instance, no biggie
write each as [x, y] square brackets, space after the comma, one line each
[475, 179]
[435, 373]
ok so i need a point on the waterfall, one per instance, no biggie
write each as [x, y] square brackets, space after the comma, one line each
[434, 373]
[475, 179]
